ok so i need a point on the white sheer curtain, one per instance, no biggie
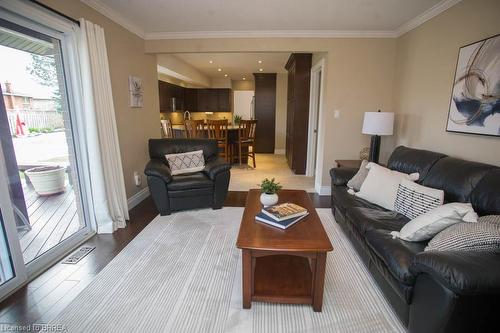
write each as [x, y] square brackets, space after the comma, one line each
[109, 199]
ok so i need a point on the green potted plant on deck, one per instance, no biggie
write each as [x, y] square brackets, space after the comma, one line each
[269, 192]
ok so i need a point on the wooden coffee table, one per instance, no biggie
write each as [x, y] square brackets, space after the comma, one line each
[283, 266]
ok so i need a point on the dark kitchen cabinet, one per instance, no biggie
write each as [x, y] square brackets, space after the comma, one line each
[177, 98]
[214, 100]
[191, 99]
[265, 112]
[164, 96]
[208, 100]
[224, 100]
[171, 97]
[297, 121]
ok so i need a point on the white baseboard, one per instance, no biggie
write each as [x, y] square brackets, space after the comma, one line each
[137, 198]
[323, 190]
[279, 151]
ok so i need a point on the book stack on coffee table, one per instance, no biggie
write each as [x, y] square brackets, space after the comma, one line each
[283, 215]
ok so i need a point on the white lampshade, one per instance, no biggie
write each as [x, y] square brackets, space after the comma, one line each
[378, 123]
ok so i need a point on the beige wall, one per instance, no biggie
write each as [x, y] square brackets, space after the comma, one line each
[359, 76]
[281, 104]
[182, 71]
[126, 57]
[426, 59]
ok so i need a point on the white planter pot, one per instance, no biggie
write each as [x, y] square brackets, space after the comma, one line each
[268, 199]
[47, 180]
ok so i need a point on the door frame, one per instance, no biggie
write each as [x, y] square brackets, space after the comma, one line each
[11, 237]
[314, 159]
[38, 19]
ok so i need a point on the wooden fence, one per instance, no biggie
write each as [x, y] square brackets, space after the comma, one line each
[35, 119]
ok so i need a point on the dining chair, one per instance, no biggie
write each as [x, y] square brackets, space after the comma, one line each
[168, 131]
[194, 129]
[217, 129]
[246, 139]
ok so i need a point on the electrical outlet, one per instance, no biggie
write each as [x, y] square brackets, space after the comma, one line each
[336, 114]
[137, 179]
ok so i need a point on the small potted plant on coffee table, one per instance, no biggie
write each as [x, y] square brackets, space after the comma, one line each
[269, 192]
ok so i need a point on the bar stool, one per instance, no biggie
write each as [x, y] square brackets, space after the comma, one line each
[246, 139]
[168, 131]
[194, 129]
[217, 129]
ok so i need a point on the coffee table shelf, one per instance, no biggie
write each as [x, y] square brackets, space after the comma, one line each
[283, 278]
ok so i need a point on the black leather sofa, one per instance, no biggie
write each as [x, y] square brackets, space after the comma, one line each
[430, 291]
[207, 188]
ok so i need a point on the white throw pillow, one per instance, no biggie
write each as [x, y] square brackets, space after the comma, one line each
[436, 220]
[381, 185]
[413, 199]
[192, 161]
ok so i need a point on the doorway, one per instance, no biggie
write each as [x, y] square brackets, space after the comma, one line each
[43, 208]
[315, 110]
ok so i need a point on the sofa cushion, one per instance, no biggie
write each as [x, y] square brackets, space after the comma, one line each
[413, 199]
[485, 197]
[364, 219]
[409, 160]
[456, 177]
[381, 185]
[342, 200]
[189, 181]
[397, 254]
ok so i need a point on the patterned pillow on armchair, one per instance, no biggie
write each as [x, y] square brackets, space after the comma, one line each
[189, 162]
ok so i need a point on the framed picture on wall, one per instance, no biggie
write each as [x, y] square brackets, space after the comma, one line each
[475, 99]
[136, 91]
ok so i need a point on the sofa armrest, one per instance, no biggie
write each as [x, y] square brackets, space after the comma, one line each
[216, 166]
[340, 176]
[157, 168]
[465, 273]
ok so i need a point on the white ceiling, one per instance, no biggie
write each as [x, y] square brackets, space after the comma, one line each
[235, 65]
[260, 18]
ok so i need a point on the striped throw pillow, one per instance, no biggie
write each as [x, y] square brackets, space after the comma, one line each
[413, 199]
[481, 236]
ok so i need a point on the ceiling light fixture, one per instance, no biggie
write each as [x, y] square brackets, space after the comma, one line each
[261, 69]
[260, 61]
[219, 69]
[244, 78]
[211, 61]
[225, 75]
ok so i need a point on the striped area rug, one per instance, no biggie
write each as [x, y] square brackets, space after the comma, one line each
[182, 273]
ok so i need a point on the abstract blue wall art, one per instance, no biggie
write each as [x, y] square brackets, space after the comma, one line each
[475, 99]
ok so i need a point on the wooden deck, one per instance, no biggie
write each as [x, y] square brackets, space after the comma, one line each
[52, 218]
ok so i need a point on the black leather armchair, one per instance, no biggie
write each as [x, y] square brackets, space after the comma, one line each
[207, 188]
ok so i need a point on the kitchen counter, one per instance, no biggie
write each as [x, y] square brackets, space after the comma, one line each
[182, 128]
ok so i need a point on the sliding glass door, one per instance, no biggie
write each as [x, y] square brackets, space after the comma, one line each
[42, 178]
[12, 269]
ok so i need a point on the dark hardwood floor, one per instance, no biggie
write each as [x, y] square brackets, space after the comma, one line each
[43, 298]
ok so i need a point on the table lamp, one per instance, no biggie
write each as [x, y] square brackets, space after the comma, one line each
[377, 124]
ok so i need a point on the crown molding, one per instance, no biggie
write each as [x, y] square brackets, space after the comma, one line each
[114, 16]
[425, 16]
[270, 34]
